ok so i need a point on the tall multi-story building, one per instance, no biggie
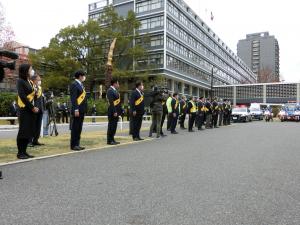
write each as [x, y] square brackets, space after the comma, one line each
[260, 51]
[182, 47]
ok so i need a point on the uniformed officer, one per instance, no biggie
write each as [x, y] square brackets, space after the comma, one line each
[215, 113]
[26, 93]
[39, 103]
[230, 112]
[169, 108]
[137, 107]
[113, 112]
[226, 112]
[191, 109]
[78, 109]
[165, 113]
[183, 112]
[221, 112]
[175, 113]
[208, 114]
[200, 113]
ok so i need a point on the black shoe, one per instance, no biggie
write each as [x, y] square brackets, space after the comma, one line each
[163, 135]
[136, 139]
[191, 131]
[31, 145]
[29, 156]
[150, 135]
[81, 148]
[200, 128]
[38, 143]
[141, 139]
[174, 132]
[76, 148]
[112, 143]
[182, 128]
[117, 142]
[22, 156]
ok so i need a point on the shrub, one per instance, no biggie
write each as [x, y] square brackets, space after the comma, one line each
[6, 99]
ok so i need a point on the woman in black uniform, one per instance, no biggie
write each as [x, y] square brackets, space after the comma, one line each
[26, 93]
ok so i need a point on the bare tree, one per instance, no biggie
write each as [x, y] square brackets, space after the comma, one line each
[6, 31]
[266, 75]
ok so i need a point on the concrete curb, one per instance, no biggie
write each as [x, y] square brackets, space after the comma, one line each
[73, 152]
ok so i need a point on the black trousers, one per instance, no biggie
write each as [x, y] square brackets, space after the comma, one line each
[221, 119]
[173, 122]
[26, 130]
[208, 123]
[112, 128]
[192, 118]
[182, 119]
[200, 120]
[76, 128]
[64, 117]
[169, 122]
[162, 122]
[37, 127]
[22, 145]
[215, 119]
[136, 125]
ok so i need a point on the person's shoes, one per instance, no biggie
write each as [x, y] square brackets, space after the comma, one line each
[22, 156]
[81, 148]
[112, 143]
[191, 131]
[38, 143]
[216, 127]
[117, 142]
[158, 137]
[31, 145]
[136, 139]
[29, 156]
[163, 135]
[76, 148]
[174, 132]
[150, 135]
[200, 128]
[182, 128]
[140, 139]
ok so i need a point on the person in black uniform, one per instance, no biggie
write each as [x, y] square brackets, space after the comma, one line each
[26, 93]
[225, 112]
[200, 113]
[221, 113]
[183, 111]
[175, 113]
[165, 113]
[215, 113]
[137, 107]
[191, 109]
[113, 112]
[78, 109]
[208, 114]
[39, 103]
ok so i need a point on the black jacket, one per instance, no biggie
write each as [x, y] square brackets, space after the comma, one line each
[156, 103]
[25, 88]
[137, 103]
[114, 101]
[75, 91]
[175, 107]
[39, 100]
[183, 107]
[209, 107]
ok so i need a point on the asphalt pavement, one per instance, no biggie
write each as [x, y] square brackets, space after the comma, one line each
[244, 174]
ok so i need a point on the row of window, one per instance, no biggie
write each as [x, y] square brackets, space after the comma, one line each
[155, 41]
[152, 61]
[199, 33]
[180, 49]
[152, 23]
[148, 5]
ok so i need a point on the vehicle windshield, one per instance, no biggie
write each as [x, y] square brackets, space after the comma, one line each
[239, 110]
[291, 107]
[255, 110]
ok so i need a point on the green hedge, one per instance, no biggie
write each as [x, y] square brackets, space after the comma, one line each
[6, 99]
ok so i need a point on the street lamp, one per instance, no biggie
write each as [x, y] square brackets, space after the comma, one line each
[212, 81]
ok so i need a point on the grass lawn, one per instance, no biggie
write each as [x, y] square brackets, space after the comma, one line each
[56, 145]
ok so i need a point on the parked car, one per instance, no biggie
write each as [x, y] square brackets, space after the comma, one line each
[290, 112]
[241, 114]
[256, 114]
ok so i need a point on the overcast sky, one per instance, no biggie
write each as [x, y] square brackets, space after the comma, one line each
[36, 21]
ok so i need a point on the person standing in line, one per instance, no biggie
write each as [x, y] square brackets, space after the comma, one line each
[191, 109]
[64, 112]
[78, 110]
[26, 93]
[215, 113]
[200, 113]
[113, 112]
[174, 113]
[169, 108]
[157, 111]
[137, 106]
[183, 112]
[221, 112]
[165, 112]
[230, 112]
[39, 103]
[208, 114]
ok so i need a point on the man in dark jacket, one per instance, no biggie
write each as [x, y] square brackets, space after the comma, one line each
[79, 107]
[208, 114]
[157, 111]
[175, 113]
[200, 113]
[137, 107]
[113, 112]
[183, 112]
[191, 109]
[215, 113]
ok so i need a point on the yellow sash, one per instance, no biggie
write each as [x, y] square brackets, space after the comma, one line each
[176, 105]
[39, 94]
[204, 109]
[137, 102]
[30, 97]
[81, 97]
[193, 109]
[116, 102]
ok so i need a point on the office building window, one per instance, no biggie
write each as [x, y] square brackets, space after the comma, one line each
[152, 23]
[148, 5]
